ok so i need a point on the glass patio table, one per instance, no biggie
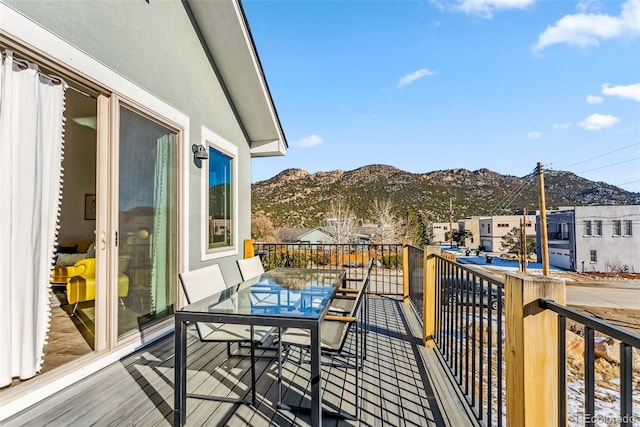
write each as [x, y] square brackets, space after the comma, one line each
[282, 297]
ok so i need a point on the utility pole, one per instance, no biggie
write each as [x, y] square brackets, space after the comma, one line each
[451, 222]
[523, 239]
[544, 238]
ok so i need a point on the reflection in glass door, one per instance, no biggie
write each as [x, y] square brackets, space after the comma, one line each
[148, 200]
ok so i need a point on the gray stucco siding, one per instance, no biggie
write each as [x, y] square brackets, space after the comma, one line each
[155, 45]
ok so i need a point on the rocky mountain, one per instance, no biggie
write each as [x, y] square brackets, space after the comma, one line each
[295, 197]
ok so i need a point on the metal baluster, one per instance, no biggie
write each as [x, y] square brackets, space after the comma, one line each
[589, 373]
[562, 371]
[626, 385]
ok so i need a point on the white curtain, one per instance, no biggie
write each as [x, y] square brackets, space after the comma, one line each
[31, 143]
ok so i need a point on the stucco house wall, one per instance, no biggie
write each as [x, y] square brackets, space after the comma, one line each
[572, 247]
[473, 225]
[192, 60]
[154, 45]
[612, 251]
[494, 228]
[440, 229]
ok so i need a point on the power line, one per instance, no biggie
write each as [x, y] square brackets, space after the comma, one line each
[612, 164]
[630, 182]
[511, 196]
[605, 154]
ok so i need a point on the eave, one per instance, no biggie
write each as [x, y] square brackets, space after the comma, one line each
[226, 34]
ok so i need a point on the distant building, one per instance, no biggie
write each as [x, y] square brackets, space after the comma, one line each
[493, 229]
[472, 224]
[594, 238]
[440, 231]
[309, 236]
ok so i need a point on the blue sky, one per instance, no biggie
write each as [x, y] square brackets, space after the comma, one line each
[433, 85]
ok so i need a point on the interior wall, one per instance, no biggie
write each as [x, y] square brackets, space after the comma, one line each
[79, 165]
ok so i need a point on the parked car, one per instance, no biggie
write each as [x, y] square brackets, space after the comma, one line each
[465, 291]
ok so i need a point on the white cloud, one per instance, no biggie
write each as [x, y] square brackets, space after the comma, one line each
[585, 6]
[309, 141]
[534, 135]
[629, 91]
[410, 78]
[565, 125]
[598, 121]
[593, 99]
[588, 29]
[486, 8]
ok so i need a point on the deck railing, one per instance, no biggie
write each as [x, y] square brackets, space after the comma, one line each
[469, 333]
[386, 276]
[500, 340]
[414, 276]
[624, 358]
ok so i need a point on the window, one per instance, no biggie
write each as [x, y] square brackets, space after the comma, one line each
[564, 233]
[586, 231]
[220, 200]
[148, 217]
[617, 227]
[503, 225]
[627, 230]
[597, 228]
[593, 255]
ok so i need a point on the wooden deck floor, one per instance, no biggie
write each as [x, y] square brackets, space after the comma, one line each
[403, 384]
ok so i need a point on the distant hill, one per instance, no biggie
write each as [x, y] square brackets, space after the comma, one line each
[295, 197]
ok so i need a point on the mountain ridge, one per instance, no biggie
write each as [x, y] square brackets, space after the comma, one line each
[295, 197]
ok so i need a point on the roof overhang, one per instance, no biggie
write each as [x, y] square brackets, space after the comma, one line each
[225, 31]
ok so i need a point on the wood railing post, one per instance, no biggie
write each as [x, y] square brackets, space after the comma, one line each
[531, 346]
[248, 248]
[429, 295]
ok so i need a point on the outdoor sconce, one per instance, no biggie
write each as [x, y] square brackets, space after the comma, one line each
[199, 152]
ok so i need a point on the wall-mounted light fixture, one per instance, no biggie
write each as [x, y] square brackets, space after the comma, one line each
[199, 152]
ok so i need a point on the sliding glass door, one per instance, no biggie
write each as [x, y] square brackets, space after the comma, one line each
[147, 220]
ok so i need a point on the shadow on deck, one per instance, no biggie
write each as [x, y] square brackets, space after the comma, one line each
[403, 384]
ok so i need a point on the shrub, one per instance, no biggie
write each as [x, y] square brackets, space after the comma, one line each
[284, 258]
[392, 261]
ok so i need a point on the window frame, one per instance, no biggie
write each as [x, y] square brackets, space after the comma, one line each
[587, 228]
[593, 256]
[597, 228]
[627, 228]
[210, 139]
[616, 230]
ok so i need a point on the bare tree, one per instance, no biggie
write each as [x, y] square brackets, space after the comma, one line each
[389, 228]
[341, 221]
[262, 228]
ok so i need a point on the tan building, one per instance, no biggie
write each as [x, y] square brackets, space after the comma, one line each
[441, 230]
[472, 224]
[493, 229]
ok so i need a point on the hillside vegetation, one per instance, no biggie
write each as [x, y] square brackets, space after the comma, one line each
[295, 197]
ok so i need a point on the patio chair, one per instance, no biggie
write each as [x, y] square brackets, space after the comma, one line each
[345, 299]
[250, 267]
[334, 333]
[207, 281]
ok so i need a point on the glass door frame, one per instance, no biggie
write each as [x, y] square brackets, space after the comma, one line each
[108, 240]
